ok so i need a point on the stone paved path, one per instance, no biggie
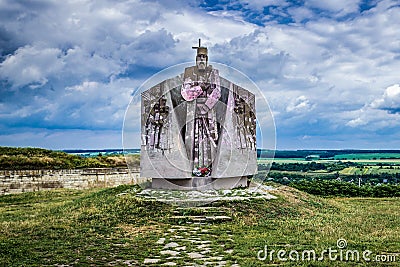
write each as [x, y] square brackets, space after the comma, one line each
[198, 242]
[191, 245]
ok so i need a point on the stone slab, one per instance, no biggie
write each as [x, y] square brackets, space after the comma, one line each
[200, 183]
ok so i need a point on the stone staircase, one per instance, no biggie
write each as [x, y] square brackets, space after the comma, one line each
[200, 215]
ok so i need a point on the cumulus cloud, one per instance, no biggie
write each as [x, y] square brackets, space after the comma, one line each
[371, 120]
[380, 114]
[356, 122]
[91, 105]
[31, 66]
[300, 105]
[390, 101]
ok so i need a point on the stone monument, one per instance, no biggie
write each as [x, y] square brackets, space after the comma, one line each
[198, 131]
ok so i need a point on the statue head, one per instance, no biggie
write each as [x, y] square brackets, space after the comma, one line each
[201, 57]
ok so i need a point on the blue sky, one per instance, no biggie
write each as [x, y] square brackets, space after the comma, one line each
[329, 69]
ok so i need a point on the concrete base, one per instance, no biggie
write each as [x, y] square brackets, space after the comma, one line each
[199, 183]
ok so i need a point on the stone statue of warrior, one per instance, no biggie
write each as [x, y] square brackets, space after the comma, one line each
[198, 130]
[201, 89]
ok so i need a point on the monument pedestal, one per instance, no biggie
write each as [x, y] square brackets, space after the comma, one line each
[200, 183]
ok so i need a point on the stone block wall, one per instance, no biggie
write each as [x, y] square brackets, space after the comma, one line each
[18, 181]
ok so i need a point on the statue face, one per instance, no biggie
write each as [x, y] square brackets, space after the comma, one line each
[201, 62]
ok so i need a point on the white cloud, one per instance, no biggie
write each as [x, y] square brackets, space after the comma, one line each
[93, 104]
[380, 114]
[356, 122]
[86, 86]
[300, 105]
[300, 13]
[390, 101]
[342, 7]
[31, 65]
[190, 25]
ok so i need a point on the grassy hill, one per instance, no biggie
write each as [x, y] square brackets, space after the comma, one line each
[12, 158]
[115, 227]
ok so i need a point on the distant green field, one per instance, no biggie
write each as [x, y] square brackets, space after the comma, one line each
[364, 159]
[369, 170]
[375, 166]
[351, 171]
[283, 160]
[373, 161]
[369, 156]
[290, 160]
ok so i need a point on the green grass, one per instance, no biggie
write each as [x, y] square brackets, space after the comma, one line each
[14, 158]
[64, 227]
[103, 226]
